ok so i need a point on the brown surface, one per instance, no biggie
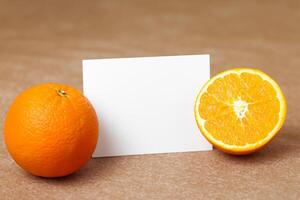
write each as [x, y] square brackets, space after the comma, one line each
[42, 42]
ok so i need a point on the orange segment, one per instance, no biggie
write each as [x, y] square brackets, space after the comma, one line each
[240, 110]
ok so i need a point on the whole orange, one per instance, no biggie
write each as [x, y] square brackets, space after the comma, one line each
[51, 130]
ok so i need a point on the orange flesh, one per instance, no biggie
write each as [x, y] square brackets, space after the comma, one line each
[255, 98]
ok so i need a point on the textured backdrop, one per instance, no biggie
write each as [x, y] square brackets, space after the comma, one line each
[45, 41]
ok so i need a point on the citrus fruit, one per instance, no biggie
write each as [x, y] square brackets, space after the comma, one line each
[240, 110]
[51, 130]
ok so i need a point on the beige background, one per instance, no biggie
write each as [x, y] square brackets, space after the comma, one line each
[42, 41]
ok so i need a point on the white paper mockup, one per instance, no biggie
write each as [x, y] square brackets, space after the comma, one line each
[146, 105]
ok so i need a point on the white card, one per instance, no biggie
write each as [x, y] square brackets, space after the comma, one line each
[146, 105]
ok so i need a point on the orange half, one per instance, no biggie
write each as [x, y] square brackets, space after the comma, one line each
[240, 110]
